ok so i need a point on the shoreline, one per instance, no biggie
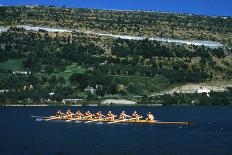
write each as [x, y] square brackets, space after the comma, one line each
[80, 105]
[23, 105]
[113, 105]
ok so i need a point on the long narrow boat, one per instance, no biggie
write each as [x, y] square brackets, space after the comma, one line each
[106, 120]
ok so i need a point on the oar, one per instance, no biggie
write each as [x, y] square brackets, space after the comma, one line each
[95, 120]
[73, 119]
[52, 118]
[123, 120]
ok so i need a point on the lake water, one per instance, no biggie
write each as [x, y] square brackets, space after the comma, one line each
[210, 134]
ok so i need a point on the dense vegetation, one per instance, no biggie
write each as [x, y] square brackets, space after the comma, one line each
[213, 98]
[167, 25]
[67, 63]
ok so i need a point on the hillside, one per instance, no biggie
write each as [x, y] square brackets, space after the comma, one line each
[48, 54]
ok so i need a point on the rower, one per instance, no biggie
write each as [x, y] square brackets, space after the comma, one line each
[88, 115]
[69, 113]
[99, 115]
[136, 116]
[59, 114]
[150, 117]
[111, 116]
[79, 114]
[123, 115]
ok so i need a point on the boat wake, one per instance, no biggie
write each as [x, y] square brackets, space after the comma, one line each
[39, 119]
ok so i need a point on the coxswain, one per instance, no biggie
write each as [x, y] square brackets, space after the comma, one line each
[123, 115]
[69, 114]
[99, 115]
[79, 114]
[136, 116]
[111, 116]
[88, 115]
[59, 114]
[150, 117]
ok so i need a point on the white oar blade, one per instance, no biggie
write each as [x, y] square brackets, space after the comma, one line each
[118, 121]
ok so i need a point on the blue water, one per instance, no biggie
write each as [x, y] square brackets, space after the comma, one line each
[211, 133]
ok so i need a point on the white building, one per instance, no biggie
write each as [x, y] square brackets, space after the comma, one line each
[203, 90]
[22, 72]
[90, 89]
[51, 93]
[4, 91]
[64, 101]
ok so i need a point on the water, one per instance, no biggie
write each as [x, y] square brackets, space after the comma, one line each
[211, 133]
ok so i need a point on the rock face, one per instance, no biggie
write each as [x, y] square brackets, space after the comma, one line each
[196, 88]
[116, 101]
[48, 29]
[3, 29]
[207, 43]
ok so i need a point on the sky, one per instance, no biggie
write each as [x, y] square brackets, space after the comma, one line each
[200, 7]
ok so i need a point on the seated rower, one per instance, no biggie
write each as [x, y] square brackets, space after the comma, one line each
[88, 115]
[99, 115]
[79, 114]
[136, 116]
[69, 114]
[111, 116]
[59, 114]
[150, 117]
[123, 115]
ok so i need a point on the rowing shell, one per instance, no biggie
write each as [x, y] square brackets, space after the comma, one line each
[104, 120]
